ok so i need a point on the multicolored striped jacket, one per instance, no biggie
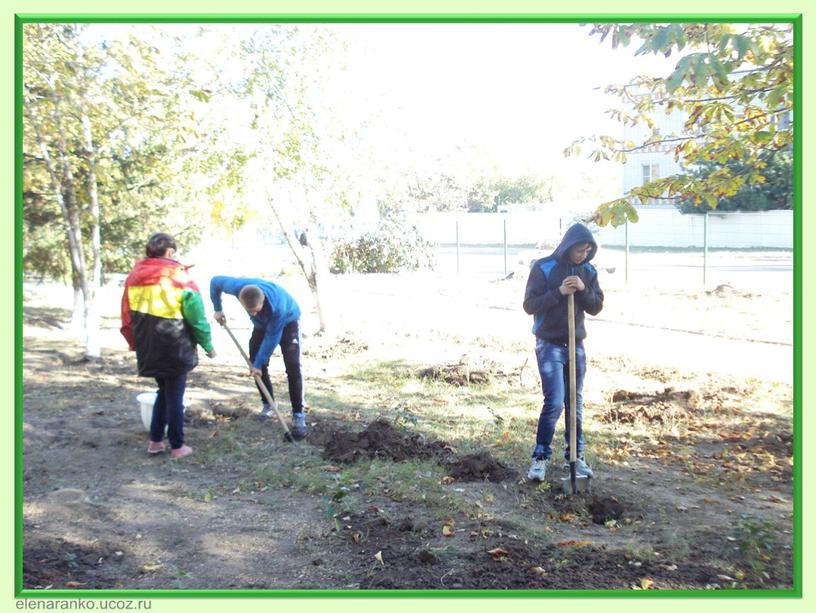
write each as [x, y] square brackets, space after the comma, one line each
[163, 318]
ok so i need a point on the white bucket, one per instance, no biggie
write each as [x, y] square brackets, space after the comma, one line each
[146, 401]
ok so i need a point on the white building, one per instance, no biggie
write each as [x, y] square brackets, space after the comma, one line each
[655, 161]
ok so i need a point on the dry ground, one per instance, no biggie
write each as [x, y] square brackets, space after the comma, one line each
[690, 439]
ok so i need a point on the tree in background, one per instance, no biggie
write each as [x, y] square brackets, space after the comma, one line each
[734, 84]
[776, 192]
[487, 195]
[304, 159]
[112, 150]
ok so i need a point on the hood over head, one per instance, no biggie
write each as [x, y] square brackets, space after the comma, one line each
[574, 235]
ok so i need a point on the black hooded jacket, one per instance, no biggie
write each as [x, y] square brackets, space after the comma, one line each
[547, 305]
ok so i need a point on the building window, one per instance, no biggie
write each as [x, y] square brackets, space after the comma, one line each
[650, 172]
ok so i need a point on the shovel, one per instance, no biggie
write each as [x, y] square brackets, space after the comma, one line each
[287, 435]
[574, 483]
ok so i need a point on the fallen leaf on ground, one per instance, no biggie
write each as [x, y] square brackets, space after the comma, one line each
[149, 568]
[498, 553]
[573, 543]
[446, 480]
[538, 571]
[73, 584]
[378, 557]
[447, 530]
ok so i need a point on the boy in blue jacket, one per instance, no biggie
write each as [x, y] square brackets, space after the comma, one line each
[276, 319]
[566, 271]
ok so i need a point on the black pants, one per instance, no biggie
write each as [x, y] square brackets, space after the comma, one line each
[290, 348]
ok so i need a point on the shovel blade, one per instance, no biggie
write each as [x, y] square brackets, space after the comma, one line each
[582, 485]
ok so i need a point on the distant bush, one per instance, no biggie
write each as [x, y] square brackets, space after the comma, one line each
[393, 247]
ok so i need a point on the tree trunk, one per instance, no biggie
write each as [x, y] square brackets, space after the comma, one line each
[92, 342]
[74, 226]
[74, 243]
[312, 279]
[77, 326]
[308, 262]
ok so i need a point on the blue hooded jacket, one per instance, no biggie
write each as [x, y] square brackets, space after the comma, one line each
[547, 305]
[279, 309]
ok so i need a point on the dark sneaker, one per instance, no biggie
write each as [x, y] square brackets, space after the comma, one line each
[298, 426]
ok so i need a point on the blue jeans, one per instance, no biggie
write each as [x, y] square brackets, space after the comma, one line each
[553, 366]
[168, 410]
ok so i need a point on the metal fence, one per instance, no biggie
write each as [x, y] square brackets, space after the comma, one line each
[664, 247]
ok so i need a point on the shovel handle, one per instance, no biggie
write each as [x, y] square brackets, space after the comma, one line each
[573, 419]
[258, 380]
[237, 344]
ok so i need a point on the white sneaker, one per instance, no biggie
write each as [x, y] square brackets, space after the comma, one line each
[582, 469]
[538, 469]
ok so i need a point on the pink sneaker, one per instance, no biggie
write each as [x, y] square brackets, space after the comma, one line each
[154, 448]
[181, 452]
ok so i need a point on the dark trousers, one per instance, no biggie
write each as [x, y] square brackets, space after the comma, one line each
[553, 366]
[168, 410]
[290, 348]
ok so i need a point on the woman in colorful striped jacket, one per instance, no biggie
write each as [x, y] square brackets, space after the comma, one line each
[163, 320]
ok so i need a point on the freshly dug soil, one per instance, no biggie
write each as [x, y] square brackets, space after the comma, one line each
[480, 467]
[381, 440]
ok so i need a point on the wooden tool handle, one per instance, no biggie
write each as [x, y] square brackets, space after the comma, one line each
[261, 386]
[573, 419]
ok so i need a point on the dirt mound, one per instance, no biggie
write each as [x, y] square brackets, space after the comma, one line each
[61, 564]
[229, 411]
[655, 408]
[381, 440]
[479, 467]
[456, 374]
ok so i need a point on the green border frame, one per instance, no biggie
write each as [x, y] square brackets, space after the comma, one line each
[794, 18]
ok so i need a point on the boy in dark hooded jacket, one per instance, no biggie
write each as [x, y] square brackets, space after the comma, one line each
[552, 279]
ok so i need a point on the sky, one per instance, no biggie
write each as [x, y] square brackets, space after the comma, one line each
[520, 92]
[512, 95]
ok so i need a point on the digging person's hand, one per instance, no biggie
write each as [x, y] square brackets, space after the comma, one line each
[566, 288]
[211, 353]
[220, 317]
[574, 281]
[255, 372]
